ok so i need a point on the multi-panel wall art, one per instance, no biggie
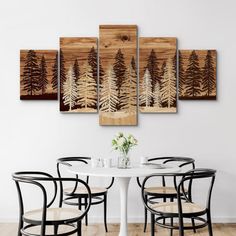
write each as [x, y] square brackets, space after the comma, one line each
[78, 75]
[38, 74]
[197, 74]
[157, 75]
[107, 80]
[118, 76]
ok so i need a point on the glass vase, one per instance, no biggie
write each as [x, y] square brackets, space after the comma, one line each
[124, 161]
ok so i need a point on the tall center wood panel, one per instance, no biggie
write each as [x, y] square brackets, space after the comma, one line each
[118, 75]
[78, 74]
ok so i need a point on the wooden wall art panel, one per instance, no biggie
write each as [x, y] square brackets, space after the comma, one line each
[78, 75]
[157, 75]
[38, 74]
[197, 74]
[118, 75]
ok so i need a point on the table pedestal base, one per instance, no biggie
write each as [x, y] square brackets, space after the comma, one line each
[124, 185]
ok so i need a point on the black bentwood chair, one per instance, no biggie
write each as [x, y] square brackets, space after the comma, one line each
[47, 220]
[99, 194]
[184, 208]
[168, 189]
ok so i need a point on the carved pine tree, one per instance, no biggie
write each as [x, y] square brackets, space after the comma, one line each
[181, 76]
[55, 73]
[62, 70]
[128, 91]
[152, 65]
[168, 89]
[146, 94]
[43, 81]
[76, 70]
[193, 76]
[70, 90]
[208, 76]
[101, 73]
[92, 61]
[109, 93]
[87, 89]
[119, 68]
[31, 73]
[133, 63]
[157, 96]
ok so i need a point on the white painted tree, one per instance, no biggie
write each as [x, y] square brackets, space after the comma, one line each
[168, 86]
[87, 89]
[146, 94]
[157, 95]
[109, 92]
[128, 98]
[70, 89]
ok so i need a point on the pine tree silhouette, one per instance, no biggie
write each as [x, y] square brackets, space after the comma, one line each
[208, 76]
[55, 73]
[76, 70]
[31, 74]
[193, 76]
[181, 76]
[87, 89]
[157, 95]
[43, 81]
[109, 94]
[70, 90]
[133, 63]
[128, 91]
[119, 68]
[62, 70]
[168, 89]
[92, 61]
[146, 94]
[101, 72]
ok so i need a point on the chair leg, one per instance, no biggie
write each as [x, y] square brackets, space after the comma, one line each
[20, 226]
[209, 224]
[152, 225]
[105, 212]
[79, 232]
[181, 226]
[145, 216]
[171, 221]
[85, 205]
[55, 229]
[193, 225]
[164, 220]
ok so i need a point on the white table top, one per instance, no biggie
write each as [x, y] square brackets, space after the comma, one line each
[116, 172]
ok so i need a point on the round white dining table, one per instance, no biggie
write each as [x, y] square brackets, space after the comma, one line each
[123, 177]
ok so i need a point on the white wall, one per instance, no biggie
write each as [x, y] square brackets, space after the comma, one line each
[33, 134]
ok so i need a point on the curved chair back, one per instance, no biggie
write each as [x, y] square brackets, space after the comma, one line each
[179, 161]
[40, 179]
[68, 161]
[200, 173]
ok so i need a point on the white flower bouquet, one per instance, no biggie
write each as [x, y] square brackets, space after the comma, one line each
[123, 144]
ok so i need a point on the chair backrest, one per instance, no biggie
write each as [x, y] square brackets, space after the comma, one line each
[68, 161]
[192, 175]
[189, 176]
[40, 179]
[179, 161]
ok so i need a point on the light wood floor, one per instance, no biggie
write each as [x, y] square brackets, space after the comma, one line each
[10, 229]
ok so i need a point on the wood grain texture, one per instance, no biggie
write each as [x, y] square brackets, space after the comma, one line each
[118, 76]
[197, 74]
[78, 74]
[38, 80]
[10, 229]
[157, 75]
